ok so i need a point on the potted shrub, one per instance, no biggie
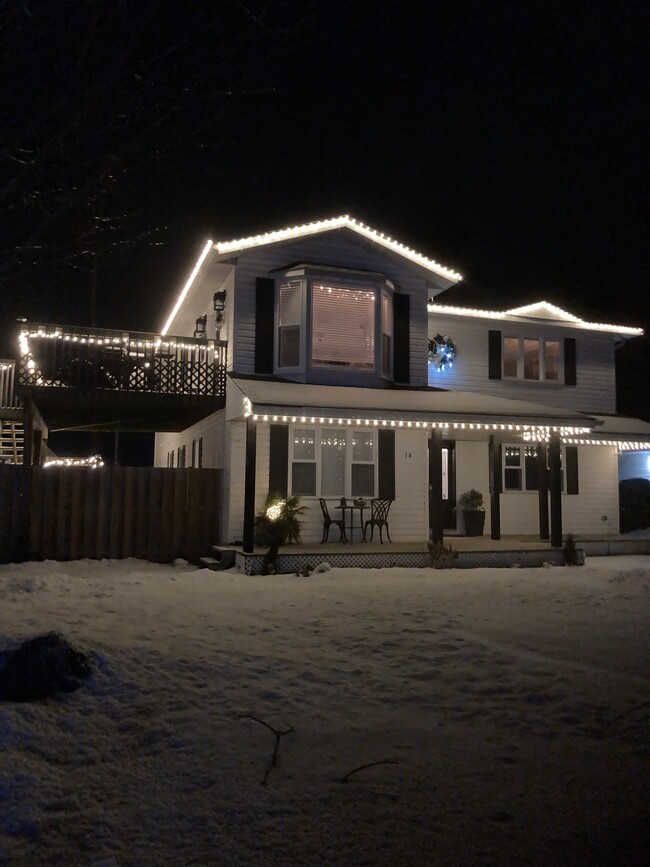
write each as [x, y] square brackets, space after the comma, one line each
[471, 505]
[279, 524]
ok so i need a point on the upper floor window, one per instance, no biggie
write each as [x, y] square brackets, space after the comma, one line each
[289, 323]
[343, 325]
[531, 358]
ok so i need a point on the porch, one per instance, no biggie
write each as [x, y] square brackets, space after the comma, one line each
[472, 552]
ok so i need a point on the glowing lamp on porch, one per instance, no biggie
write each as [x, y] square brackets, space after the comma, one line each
[274, 511]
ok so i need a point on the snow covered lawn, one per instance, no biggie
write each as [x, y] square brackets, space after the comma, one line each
[496, 690]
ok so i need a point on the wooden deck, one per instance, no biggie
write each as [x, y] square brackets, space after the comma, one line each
[98, 379]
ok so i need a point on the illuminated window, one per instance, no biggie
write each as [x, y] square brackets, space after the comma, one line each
[551, 359]
[343, 327]
[531, 358]
[289, 319]
[386, 333]
[328, 325]
[333, 462]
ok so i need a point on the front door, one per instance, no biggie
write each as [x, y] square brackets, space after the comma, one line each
[448, 486]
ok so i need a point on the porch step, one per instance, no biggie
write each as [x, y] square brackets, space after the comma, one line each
[224, 558]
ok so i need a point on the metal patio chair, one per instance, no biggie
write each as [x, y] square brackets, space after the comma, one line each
[328, 521]
[379, 510]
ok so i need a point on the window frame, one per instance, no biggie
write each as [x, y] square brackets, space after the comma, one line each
[524, 489]
[319, 430]
[542, 359]
[360, 281]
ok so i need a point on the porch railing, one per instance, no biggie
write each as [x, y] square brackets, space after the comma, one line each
[95, 358]
[8, 399]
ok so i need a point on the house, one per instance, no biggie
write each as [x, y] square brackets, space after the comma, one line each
[352, 374]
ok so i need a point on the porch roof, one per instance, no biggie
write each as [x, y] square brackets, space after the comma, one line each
[634, 431]
[429, 405]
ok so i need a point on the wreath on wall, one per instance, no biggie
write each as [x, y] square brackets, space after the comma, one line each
[442, 351]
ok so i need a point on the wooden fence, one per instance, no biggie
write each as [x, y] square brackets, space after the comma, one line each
[65, 513]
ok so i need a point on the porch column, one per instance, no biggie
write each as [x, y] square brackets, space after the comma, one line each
[249, 485]
[494, 458]
[435, 485]
[555, 487]
[543, 492]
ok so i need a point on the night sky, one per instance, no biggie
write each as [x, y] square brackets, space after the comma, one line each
[507, 140]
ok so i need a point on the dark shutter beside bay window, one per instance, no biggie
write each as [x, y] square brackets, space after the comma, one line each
[571, 456]
[570, 372]
[386, 457]
[494, 354]
[402, 338]
[264, 316]
[279, 460]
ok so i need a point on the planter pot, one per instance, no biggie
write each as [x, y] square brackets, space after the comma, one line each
[474, 522]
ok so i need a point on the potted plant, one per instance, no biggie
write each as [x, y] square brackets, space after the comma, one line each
[279, 524]
[471, 505]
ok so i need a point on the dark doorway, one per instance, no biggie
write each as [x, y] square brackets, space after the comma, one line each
[448, 486]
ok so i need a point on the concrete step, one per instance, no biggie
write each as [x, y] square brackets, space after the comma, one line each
[224, 558]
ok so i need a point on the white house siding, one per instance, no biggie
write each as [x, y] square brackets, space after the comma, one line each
[596, 385]
[582, 513]
[472, 471]
[595, 510]
[333, 248]
[634, 465]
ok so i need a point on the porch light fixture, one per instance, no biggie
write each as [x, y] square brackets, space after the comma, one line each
[200, 327]
[219, 304]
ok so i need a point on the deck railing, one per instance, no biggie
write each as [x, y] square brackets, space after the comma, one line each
[95, 358]
[8, 399]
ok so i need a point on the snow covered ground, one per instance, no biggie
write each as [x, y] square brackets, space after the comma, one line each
[496, 690]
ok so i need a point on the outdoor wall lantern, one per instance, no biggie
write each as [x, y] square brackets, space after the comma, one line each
[219, 304]
[200, 329]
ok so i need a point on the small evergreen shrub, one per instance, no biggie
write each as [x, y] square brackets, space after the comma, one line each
[442, 556]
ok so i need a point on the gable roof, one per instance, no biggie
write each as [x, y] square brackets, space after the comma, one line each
[344, 222]
[213, 249]
[538, 310]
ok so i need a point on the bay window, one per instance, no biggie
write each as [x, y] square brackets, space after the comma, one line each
[343, 327]
[333, 462]
[289, 323]
[334, 324]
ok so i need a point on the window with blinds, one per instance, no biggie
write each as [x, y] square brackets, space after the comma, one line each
[289, 319]
[343, 327]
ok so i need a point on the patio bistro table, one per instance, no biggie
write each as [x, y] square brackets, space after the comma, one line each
[351, 507]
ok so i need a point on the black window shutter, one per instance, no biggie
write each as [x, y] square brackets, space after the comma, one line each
[402, 338]
[264, 316]
[570, 372]
[494, 354]
[571, 454]
[279, 461]
[386, 464]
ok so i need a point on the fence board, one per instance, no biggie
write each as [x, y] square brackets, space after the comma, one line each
[155, 513]
[116, 514]
[62, 507]
[155, 509]
[76, 510]
[128, 533]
